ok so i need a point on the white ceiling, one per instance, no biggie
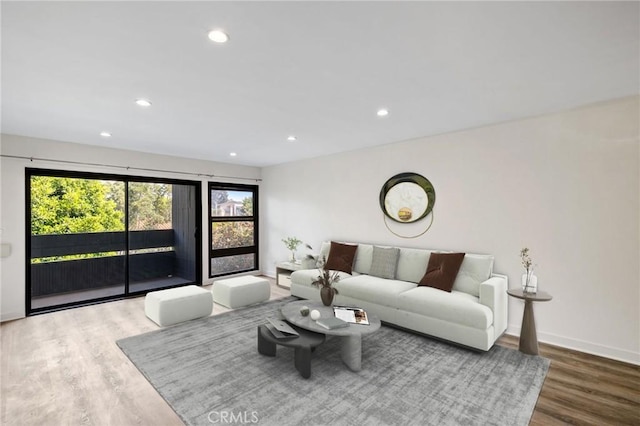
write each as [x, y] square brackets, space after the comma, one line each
[318, 70]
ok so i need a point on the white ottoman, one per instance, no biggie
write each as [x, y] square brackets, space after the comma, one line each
[166, 307]
[240, 291]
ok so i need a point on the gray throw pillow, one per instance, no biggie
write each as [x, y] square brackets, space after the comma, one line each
[384, 262]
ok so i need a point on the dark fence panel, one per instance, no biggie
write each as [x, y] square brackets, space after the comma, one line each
[151, 239]
[98, 242]
[85, 274]
[73, 275]
[65, 244]
[143, 267]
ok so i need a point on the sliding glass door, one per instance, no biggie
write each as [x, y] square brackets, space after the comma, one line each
[94, 237]
[162, 227]
[77, 236]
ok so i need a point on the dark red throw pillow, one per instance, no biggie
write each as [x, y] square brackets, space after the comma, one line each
[442, 270]
[341, 257]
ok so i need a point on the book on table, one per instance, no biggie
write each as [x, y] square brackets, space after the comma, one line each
[351, 314]
[331, 323]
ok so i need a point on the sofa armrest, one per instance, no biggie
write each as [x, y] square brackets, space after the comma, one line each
[493, 293]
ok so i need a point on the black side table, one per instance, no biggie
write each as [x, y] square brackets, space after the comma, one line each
[303, 345]
[528, 335]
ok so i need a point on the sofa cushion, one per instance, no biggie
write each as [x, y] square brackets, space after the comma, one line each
[324, 249]
[384, 262]
[456, 307]
[341, 257]
[475, 269]
[442, 270]
[373, 289]
[412, 264]
[362, 262]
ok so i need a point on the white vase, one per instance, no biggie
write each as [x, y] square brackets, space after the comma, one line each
[533, 283]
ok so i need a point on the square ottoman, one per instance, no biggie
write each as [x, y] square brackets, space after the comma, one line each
[167, 307]
[240, 291]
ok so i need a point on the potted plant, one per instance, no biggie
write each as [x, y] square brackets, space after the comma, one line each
[292, 244]
[325, 282]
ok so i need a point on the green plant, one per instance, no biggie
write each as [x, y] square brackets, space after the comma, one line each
[291, 243]
[327, 278]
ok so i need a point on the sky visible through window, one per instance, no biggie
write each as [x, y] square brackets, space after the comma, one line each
[239, 195]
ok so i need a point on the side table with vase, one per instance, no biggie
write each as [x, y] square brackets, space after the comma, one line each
[528, 335]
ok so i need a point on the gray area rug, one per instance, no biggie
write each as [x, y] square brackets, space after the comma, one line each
[209, 371]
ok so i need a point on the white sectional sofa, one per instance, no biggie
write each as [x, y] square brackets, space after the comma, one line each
[473, 314]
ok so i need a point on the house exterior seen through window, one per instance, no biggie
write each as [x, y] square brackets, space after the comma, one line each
[233, 214]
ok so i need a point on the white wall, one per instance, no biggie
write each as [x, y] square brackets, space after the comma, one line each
[12, 195]
[565, 185]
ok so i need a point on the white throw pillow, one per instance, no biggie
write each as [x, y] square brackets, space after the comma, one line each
[412, 264]
[324, 250]
[362, 262]
[475, 269]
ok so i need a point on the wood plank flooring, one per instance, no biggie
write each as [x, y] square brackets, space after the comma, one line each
[64, 368]
[584, 389]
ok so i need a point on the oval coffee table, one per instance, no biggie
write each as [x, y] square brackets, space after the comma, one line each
[350, 336]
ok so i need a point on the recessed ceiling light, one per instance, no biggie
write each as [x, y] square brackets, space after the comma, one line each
[382, 112]
[218, 36]
[292, 138]
[143, 102]
[232, 154]
[105, 134]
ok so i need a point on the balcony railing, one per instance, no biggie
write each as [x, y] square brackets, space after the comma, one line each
[65, 276]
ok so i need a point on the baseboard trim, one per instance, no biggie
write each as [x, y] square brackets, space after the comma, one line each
[582, 346]
[11, 316]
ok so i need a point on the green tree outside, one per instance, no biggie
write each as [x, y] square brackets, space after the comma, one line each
[247, 205]
[70, 205]
[149, 206]
[73, 205]
[232, 234]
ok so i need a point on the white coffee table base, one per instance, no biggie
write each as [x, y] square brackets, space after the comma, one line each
[351, 352]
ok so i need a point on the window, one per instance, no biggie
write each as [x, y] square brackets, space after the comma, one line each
[94, 236]
[233, 218]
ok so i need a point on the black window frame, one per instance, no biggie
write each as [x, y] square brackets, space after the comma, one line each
[255, 248]
[30, 172]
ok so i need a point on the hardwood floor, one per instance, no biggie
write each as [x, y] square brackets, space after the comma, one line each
[64, 368]
[584, 389]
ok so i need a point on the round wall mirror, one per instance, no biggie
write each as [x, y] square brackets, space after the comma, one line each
[407, 197]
